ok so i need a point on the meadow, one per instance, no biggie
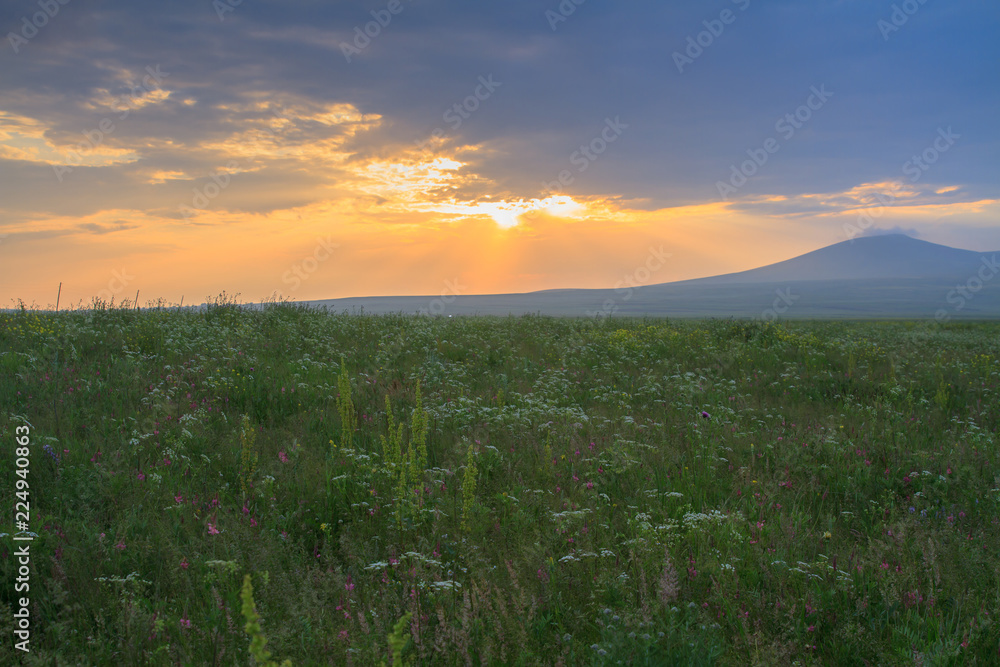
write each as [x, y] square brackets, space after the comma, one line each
[501, 490]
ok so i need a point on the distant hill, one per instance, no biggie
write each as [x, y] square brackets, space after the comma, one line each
[891, 276]
[888, 256]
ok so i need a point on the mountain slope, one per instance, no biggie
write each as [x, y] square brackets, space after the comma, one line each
[872, 257]
[891, 276]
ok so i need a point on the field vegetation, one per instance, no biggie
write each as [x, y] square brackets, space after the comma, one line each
[238, 485]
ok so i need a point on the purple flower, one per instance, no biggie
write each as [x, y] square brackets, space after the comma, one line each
[704, 414]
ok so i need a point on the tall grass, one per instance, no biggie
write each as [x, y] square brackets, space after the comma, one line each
[503, 490]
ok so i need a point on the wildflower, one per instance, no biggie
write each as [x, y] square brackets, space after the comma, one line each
[283, 456]
[120, 546]
[184, 564]
[827, 535]
[185, 623]
[212, 530]
[705, 415]
[140, 477]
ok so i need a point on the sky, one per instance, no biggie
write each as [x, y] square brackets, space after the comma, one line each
[312, 149]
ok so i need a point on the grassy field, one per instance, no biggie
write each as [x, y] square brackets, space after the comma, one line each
[519, 490]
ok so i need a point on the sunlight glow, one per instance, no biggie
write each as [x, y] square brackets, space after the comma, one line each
[508, 214]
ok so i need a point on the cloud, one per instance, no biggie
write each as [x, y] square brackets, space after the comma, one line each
[117, 226]
[265, 103]
[879, 231]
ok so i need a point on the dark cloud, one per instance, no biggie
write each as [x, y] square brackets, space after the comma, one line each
[685, 129]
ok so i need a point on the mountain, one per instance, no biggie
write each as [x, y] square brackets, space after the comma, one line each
[871, 257]
[891, 276]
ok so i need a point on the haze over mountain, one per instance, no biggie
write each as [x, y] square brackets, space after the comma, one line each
[887, 276]
[871, 257]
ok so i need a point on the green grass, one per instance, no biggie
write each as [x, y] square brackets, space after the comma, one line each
[837, 505]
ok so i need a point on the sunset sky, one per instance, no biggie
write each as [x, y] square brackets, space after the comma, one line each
[260, 147]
